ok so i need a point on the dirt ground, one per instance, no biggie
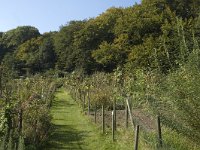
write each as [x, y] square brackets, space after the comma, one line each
[146, 122]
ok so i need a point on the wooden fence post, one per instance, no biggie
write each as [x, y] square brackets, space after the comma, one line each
[103, 120]
[95, 114]
[130, 112]
[114, 113]
[74, 97]
[84, 95]
[126, 116]
[159, 132]
[136, 137]
[80, 95]
[88, 103]
[113, 126]
[20, 117]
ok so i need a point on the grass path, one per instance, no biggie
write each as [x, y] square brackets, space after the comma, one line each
[73, 131]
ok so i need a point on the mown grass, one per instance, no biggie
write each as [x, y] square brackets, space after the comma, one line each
[73, 130]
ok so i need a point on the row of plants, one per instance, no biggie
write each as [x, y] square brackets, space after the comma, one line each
[25, 119]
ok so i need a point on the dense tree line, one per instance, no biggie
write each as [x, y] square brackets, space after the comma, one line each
[144, 35]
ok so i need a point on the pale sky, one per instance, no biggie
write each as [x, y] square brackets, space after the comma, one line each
[49, 15]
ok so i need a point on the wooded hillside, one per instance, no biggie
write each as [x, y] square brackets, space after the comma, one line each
[147, 35]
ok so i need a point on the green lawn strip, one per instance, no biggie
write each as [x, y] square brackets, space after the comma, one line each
[70, 127]
[74, 130]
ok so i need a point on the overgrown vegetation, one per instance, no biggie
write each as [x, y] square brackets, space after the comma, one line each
[173, 97]
[25, 119]
[148, 52]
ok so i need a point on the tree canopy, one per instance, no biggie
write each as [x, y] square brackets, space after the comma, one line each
[144, 35]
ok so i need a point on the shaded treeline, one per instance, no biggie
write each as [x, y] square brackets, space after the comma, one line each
[144, 36]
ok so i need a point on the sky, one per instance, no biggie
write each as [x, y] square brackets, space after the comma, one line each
[49, 15]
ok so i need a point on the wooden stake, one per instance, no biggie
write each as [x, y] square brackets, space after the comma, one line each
[136, 137]
[130, 112]
[20, 121]
[84, 94]
[113, 126]
[159, 132]
[95, 114]
[114, 113]
[88, 103]
[126, 116]
[103, 120]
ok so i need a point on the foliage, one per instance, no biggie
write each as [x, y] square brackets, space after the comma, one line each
[25, 117]
[36, 54]
[130, 37]
[15, 37]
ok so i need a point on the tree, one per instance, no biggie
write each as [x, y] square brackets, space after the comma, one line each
[46, 54]
[111, 55]
[63, 42]
[10, 40]
[185, 9]
[2, 49]
[15, 37]
[28, 56]
[89, 38]
[8, 65]
[37, 54]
